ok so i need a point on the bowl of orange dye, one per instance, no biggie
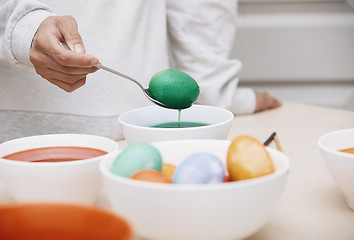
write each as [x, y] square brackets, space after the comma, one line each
[55, 167]
[33, 221]
[338, 153]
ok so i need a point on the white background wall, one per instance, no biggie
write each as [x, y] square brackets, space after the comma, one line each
[298, 50]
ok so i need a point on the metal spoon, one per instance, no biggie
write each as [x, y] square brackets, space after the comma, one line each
[145, 91]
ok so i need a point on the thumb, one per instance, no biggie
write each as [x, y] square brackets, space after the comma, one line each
[69, 30]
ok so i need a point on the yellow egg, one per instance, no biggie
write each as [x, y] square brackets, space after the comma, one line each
[168, 170]
[247, 158]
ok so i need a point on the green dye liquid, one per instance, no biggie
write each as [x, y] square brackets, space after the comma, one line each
[180, 125]
[179, 117]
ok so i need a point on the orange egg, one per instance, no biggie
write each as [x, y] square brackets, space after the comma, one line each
[150, 175]
[168, 170]
[227, 178]
[248, 158]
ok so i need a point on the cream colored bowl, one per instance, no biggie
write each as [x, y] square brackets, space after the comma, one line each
[339, 164]
[136, 124]
[232, 210]
[72, 181]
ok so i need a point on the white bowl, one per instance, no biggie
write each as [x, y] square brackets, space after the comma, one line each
[339, 164]
[136, 124]
[72, 181]
[232, 210]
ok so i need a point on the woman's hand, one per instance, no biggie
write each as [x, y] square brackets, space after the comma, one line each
[265, 101]
[64, 68]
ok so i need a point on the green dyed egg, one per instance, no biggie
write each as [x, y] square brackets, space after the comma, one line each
[136, 157]
[174, 88]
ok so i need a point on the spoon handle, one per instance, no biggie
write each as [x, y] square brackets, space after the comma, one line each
[108, 69]
[119, 74]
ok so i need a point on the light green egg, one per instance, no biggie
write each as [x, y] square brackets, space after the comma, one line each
[174, 88]
[136, 157]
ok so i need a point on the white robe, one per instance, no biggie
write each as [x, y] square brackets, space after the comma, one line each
[134, 37]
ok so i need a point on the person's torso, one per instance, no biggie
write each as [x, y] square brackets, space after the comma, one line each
[129, 36]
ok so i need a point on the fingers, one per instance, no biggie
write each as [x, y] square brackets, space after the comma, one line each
[68, 28]
[265, 101]
[46, 42]
[64, 77]
[65, 68]
[67, 82]
[66, 57]
[67, 86]
[42, 61]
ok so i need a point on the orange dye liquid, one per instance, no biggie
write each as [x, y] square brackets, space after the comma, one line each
[348, 150]
[55, 154]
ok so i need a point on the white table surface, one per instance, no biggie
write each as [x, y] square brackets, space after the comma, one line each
[311, 207]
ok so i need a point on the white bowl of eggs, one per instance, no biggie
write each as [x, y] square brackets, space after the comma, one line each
[196, 189]
[154, 123]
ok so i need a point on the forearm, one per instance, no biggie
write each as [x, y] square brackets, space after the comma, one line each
[19, 21]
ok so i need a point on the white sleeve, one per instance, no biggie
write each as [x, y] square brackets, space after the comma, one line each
[19, 21]
[201, 36]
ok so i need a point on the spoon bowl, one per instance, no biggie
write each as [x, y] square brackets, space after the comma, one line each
[148, 95]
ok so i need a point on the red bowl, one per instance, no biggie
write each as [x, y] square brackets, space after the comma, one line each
[36, 221]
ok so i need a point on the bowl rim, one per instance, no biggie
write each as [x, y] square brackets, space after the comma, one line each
[83, 207]
[57, 164]
[330, 150]
[227, 121]
[197, 187]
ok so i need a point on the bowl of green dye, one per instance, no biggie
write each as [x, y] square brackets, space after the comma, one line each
[154, 123]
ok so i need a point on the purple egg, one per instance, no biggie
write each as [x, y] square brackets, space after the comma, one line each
[200, 168]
